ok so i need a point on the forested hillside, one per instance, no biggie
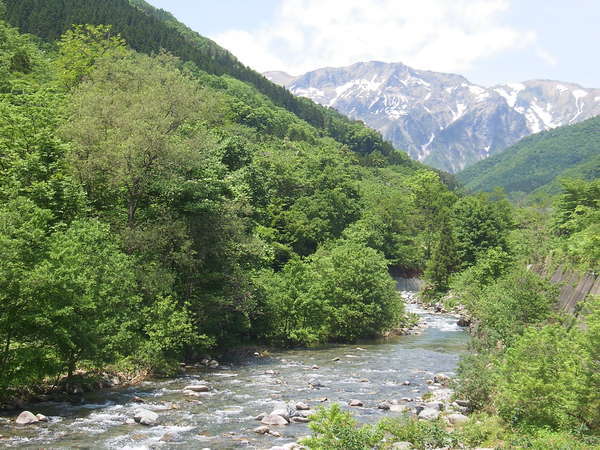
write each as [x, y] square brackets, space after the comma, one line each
[535, 164]
[155, 212]
[148, 30]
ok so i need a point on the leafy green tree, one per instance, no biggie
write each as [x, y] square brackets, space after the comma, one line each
[80, 48]
[479, 224]
[86, 287]
[540, 379]
[443, 259]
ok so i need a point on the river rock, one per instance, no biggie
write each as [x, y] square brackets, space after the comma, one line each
[315, 367]
[406, 383]
[26, 418]
[263, 429]
[303, 413]
[274, 433]
[355, 403]
[314, 383]
[197, 388]
[300, 419]
[398, 408]
[463, 321]
[283, 412]
[261, 416]
[435, 405]
[213, 364]
[384, 405]
[336, 359]
[463, 403]
[146, 417]
[441, 378]
[429, 414]
[300, 406]
[137, 399]
[457, 419]
[274, 419]
[41, 418]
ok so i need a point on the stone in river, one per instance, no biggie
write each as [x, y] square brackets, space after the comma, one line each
[274, 419]
[441, 378]
[263, 429]
[197, 388]
[26, 418]
[300, 419]
[146, 417]
[355, 403]
[300, 406]
[137, 399]
[41, 417]
[384, 405]
[261, 416]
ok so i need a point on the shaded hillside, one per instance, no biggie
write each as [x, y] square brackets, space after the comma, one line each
[536, 163]
[148, 30]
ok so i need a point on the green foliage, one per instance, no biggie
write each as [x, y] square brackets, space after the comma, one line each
[537, 163]
[343, 292]
[540, 376]
[334, 429]
[480, 223]
[422, 434]
[80, 47]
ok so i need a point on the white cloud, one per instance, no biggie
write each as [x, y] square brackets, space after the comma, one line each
[547, 57]
[442, 35]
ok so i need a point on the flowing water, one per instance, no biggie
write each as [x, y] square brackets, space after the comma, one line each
[223, 418]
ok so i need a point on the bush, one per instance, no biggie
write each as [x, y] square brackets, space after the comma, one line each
[541, 379]
[422, 434]
[334, 429]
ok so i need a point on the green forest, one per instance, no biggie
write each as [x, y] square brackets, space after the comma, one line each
[160, 202]
[533, 167]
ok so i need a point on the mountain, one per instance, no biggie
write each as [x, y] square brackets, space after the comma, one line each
[443, 119]
[148, 30]
[536, 163]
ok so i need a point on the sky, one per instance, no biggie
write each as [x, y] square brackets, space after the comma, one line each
[488, 41]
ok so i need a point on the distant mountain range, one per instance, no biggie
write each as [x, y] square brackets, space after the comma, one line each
[536, 164]
[443, 119]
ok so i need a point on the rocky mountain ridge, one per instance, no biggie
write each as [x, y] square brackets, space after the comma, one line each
[439, 118]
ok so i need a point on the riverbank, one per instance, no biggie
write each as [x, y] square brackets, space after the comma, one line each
[393, 370]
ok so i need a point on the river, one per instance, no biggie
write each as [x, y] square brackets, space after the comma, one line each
[223, 418]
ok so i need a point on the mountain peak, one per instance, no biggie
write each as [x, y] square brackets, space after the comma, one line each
[443, 119]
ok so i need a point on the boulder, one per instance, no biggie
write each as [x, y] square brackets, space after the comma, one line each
[463, 321]
[41, 417]
[441, 378]
[263, 429]
[355, 403]
[429, 414]
[274, 419]
[213, 364]
[197, 388]
[398, 408]
[300, 406]
[146, 417]
[457, 419]
[435, 405]
[300, 419]
[283, 412]
[26, 418]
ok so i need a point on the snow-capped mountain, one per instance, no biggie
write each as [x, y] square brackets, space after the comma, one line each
[443, 119]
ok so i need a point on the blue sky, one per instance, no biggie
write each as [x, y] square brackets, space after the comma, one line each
[488, 41]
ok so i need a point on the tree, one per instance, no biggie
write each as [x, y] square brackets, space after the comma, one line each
[480, 224]
[80, 48]
[443, 259]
